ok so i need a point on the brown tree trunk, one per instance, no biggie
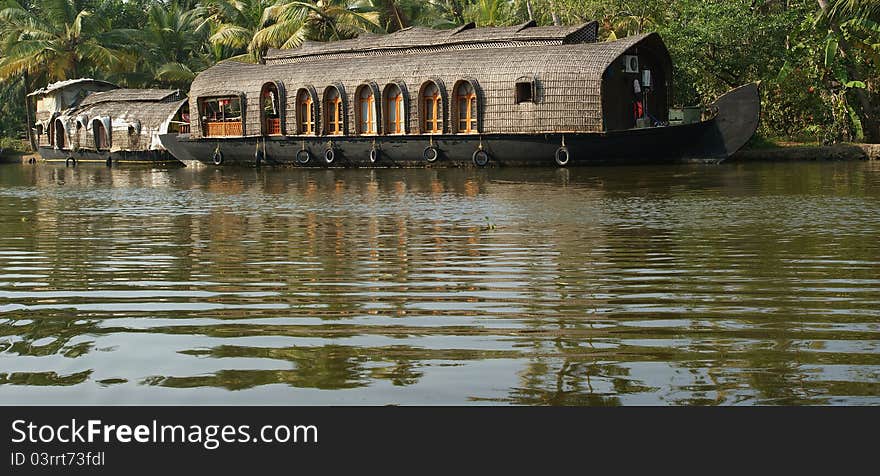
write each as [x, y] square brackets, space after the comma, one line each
[28, 116]
[553, 14]
[529, 9]
[397, 18]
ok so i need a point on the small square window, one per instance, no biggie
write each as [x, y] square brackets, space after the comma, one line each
[525, 92]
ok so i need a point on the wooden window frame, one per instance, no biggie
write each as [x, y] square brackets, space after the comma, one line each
[222, 127]
[471, 106]
[305, 121]
[335, 116]
[398, 126]
[434, 103]
[370, 104]
[523, 88]
[271, 126]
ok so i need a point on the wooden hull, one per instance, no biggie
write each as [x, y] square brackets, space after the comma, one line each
[712, 140]
[141, 157]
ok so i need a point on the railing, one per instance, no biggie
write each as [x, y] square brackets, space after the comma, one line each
[223, 129]
[183, 129]
[273, 127]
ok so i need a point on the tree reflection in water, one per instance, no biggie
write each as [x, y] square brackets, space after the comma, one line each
[586, 286]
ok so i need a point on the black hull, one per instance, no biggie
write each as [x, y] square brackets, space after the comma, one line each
[141, 157]
[710, 141]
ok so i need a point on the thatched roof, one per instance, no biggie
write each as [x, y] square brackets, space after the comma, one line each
[147, 112]
[129, 95]
[70, 82]
[465, 36]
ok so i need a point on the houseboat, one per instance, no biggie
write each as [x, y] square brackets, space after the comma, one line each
[522, 95]
[87, 120]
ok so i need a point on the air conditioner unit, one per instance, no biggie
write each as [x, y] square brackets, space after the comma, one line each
[631, 64]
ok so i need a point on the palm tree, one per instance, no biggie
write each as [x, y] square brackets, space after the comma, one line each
[847, 9]
[490, 12]
[57, 40]
[396, 15]
[175, 40]
[234, 24]
[286, 24]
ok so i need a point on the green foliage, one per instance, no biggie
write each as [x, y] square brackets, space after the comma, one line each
[11, 109]
[12, 144]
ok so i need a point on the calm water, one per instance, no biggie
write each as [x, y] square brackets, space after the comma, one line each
[731, 284]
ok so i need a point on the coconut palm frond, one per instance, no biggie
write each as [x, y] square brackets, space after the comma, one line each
[232, 36]
[175, 73]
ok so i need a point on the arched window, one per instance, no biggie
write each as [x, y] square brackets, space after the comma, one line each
[431, 108]
[366, 110]
[101, 134]
[466, 108]
[395, 110]
[80, 135]
[334, 113]
[60, 134]
[270, 110]
[134, 135]
[305, 113]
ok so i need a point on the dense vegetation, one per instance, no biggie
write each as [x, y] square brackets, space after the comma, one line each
[818, 60]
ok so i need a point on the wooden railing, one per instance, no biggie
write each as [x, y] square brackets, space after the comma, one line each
[223, 129]
[183, 129]
[273, 127]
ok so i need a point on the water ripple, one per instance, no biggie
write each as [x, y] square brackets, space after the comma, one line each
[595, 286]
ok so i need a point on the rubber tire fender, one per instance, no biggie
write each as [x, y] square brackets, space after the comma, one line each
[480, 158]
[217, 158]
[329, 155]
[303, 157]
[562, 156]
[431, 154]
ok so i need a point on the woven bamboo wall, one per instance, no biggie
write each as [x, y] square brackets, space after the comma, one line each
[569, 84]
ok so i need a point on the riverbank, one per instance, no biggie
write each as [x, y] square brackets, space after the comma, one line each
[809, 153]
[15, 156]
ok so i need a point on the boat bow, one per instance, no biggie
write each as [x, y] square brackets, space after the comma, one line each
[739, 112]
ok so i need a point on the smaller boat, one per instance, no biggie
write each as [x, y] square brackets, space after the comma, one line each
[91, 121]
